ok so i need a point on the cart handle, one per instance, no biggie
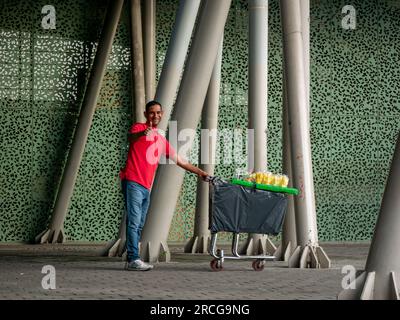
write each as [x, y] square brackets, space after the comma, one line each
[215, 180]
[209, 179]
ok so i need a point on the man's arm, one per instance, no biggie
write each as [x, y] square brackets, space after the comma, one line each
[132, 137]
[189, 167]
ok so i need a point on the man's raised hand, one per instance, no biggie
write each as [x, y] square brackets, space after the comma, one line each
[148, 129]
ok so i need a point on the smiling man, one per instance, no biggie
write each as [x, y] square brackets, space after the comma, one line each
[146, 145]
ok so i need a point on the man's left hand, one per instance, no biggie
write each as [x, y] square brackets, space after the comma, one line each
[206, 177]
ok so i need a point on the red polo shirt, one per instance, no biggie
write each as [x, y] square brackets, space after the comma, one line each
[144, 155]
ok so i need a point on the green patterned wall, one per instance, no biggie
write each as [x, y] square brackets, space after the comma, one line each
[354, 113]
[42, 81]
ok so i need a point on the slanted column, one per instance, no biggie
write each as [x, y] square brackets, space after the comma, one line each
[137, 61]
[175, 57]
[168, 83]
[149, 36]
[117, 246]
[55, 232]
[187, 111]
[209, 123]
[381, 278]
[257, 107]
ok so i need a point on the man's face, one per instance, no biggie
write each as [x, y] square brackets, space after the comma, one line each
[154, 115]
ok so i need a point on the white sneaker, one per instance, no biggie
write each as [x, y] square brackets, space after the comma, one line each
[138, 265]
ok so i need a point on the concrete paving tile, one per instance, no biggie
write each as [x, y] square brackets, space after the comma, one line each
[82, 274]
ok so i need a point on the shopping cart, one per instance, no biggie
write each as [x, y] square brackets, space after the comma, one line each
[237, 209]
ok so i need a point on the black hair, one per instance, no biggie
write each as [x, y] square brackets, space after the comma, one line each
[152, 103]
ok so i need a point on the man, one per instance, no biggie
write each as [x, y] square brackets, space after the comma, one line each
[146, 145]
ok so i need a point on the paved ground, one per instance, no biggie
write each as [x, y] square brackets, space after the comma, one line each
[82, 274]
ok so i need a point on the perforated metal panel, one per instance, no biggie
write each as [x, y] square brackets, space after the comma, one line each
[355, 112]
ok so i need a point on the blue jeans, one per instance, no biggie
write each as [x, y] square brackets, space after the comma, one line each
[137, 200]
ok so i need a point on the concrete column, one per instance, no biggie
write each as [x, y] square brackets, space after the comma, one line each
[149, 37]
[289, 239]
[117, 247]
[381, 278]
[175, 57]
[137, 61]
[305, 32]
[169, 79]
[209, 121]
[309, 254]
[55, 232]
[187, 111]
[258, 81]
[257, 107]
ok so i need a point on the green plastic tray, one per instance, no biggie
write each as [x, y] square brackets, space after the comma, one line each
[265, 187]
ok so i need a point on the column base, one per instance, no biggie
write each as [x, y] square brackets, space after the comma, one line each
[257, 244]
[283, 253]
[198, 244]
[51, 236]
[155, 252]
[309, 257]
[116, 248]
[362, 288]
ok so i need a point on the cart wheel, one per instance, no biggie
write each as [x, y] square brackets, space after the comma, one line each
[216, 265]
[258, 265]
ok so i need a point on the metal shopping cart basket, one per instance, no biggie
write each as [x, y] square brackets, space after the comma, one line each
[243, 208]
